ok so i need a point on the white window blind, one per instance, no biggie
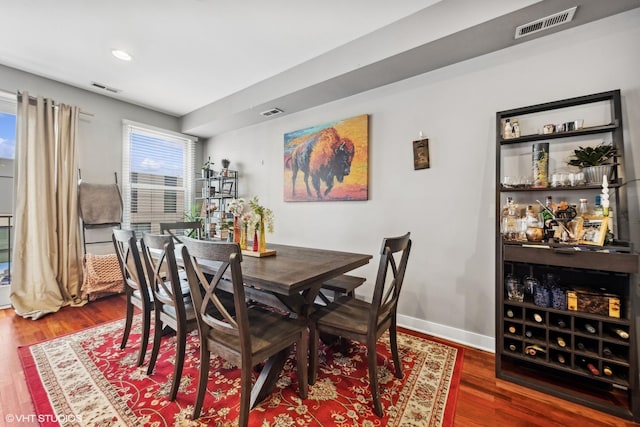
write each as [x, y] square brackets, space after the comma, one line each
[158, 175]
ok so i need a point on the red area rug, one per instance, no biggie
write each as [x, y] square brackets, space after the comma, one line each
[84, 379]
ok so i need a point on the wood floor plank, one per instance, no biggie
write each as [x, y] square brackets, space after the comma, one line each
[483, 400]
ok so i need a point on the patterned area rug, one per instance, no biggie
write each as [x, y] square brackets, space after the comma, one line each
[84, 379]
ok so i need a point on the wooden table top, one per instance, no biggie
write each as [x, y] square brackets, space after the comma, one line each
[294, 269]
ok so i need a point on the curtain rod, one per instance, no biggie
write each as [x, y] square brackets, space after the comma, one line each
[32, 98]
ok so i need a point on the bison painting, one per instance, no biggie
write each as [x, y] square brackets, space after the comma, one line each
[323, 156]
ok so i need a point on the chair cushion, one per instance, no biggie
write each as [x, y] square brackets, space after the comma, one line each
[346, 313]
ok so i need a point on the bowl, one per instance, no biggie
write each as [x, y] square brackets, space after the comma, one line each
[534, 234]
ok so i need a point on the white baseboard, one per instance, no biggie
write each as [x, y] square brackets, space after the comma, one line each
[460, 336]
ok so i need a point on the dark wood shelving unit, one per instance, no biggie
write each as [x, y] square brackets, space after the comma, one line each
[558, 367]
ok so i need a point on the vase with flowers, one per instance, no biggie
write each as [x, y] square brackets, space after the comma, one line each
[236, 208]
[245, 221]
[263, 221]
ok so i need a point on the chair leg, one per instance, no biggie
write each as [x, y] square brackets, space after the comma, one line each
[302, 356]
[245, 395]
[127, 323]
[203, 379]
[373, 376]
[393, 341]
[144, 341]
[181, 338]
[313, 353]
[157, 336]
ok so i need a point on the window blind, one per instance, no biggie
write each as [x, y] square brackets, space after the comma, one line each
[157, 176]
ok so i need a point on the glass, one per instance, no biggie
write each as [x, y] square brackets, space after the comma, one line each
[515, 289]
[530, 284]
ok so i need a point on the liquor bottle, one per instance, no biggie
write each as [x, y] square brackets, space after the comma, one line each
[589, 328]
[561, 342]
[590, 366]
[621, 333]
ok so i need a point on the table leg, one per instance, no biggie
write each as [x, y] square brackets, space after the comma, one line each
[268, 377]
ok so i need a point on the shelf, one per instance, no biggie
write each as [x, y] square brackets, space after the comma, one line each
[610, 272]
[556, 135]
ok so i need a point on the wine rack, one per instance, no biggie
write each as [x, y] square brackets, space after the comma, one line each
[590, 358]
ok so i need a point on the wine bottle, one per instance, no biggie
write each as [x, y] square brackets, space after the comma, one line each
[510, 313]
[621, 333]
[529, 333]
[606, 352]
[561, 342]
[512, 347]
[590, 366]
[512, 329]
[560, 358]
[581, 346]
[533, 350]
[589, 328]
[607, 371]
[537, 317]
[561, 323]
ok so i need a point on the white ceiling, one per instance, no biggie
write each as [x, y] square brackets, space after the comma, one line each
[217, 64]
[187, 53]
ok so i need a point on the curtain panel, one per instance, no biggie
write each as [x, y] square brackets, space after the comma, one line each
[47, 269]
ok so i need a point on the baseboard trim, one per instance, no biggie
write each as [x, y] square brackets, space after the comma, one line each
[460, 336]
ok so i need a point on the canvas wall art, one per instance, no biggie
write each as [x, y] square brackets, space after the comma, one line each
[327, 162]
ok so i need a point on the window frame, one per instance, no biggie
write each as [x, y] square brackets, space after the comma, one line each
[129, 186]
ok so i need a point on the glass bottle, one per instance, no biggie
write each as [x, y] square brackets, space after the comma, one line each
[515, 129]
[583, 210]
[507, 133]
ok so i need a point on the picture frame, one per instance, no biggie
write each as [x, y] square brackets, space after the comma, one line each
[421, 154]
[593, 231]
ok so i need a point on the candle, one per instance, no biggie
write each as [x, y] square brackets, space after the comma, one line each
[605, 196]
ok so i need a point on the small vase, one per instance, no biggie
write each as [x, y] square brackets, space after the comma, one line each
[243, 237]
[255, 241]
[236, 229]
[263, 241]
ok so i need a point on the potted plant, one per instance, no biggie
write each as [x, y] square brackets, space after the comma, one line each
[595, 162]
[206, 168]
[225, 166]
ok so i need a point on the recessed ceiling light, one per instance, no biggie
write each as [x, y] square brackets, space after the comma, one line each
[121, 54]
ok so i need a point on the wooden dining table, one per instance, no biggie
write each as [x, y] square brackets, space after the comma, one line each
[290, 279]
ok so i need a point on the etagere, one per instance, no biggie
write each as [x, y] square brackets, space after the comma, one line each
[216, 192]
[582, 345]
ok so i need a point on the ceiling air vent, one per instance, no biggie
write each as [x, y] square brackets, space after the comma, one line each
[104, 87]
[271, 112]
[545, 23]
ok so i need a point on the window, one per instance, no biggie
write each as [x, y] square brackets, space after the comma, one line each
[7, 126]
[158, 174]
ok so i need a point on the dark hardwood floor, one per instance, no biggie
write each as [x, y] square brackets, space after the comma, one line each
[483, 400]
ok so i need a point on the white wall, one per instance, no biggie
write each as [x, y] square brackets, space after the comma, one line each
[449, 208]
[100, 135]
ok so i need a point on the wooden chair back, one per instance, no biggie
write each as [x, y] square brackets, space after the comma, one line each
[126, 247]
[193, 229]
[394, 255]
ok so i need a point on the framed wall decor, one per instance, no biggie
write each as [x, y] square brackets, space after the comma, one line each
[594, 231]
[421, 154]
[328, 161]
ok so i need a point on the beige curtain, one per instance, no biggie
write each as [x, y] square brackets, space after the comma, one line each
[47, 269]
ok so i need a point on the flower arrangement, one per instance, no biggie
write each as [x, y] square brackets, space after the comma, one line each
[236, 207]
[261, 215]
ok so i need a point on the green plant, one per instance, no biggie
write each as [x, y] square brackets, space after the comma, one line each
[194, 214]
[592, 156]
[207, 165]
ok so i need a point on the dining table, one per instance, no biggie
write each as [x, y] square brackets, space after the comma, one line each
[290, 280]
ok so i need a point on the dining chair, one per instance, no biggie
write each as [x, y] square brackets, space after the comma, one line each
[172, 299]
[245, 339]
[136, 286]
[180, 229]
[358, 320]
